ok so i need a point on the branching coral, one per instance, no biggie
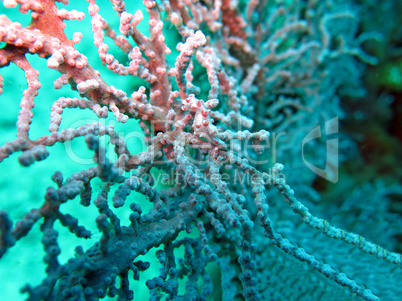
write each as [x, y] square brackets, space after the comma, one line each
[244, 74]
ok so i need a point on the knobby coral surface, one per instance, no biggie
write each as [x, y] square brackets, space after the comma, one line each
[225, 95]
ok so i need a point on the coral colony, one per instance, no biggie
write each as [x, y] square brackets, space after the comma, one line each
[233, 121]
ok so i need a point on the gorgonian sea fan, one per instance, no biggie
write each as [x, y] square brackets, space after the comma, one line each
[242, 74]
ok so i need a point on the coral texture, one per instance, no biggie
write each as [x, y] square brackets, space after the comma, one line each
[224, 94]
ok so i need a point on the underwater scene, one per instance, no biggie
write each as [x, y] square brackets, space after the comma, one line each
[201, 150]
